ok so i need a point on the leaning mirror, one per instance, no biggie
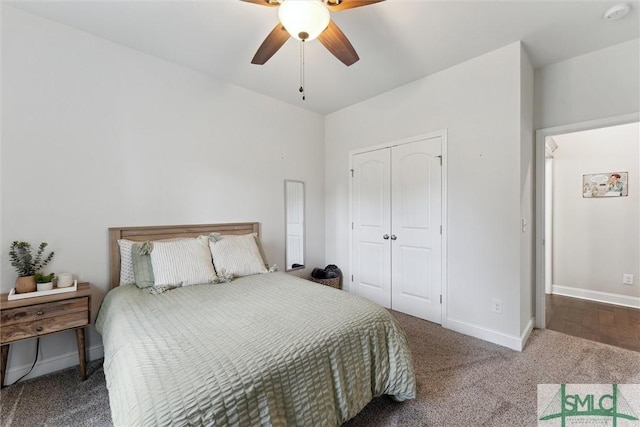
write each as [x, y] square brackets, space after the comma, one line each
[294, 224]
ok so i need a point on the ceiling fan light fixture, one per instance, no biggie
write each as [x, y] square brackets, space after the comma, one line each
[304, 19]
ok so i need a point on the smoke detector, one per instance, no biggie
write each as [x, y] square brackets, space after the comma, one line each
[616, 12]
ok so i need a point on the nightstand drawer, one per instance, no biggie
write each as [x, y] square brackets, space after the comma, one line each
[19, 331]
[38, 312]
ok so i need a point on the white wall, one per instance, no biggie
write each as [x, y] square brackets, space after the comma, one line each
[527, 288]
[97, 135]
[600, 84]
[479, 103]
[596, 240]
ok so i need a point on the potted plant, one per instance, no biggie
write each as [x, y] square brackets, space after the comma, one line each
[27, 264]
[44, 282]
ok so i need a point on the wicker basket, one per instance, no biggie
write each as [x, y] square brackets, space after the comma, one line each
[334, 283]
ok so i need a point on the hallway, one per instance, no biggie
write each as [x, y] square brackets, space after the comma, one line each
[606, 323]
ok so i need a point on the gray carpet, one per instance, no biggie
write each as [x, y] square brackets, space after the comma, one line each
[462, 381]
[58, 399]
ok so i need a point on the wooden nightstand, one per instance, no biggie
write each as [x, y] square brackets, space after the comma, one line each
[33, 317]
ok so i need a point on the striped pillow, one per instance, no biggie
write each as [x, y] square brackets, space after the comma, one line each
[237, 254]
[186, 262]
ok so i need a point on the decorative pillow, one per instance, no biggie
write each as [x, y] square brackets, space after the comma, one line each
[186, 262]
[142, 269]
[263, 257]
[126, 263]
[236, 254]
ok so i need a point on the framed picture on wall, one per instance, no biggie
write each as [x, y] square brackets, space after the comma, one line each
[610, 184]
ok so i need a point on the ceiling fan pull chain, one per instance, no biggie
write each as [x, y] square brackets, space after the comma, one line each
[302, 69]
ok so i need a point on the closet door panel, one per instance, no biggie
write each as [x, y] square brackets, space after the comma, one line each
[411, 190]
[416, 220]
[413, 270]
[371, 212]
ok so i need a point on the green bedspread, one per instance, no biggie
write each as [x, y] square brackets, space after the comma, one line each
[264, 350]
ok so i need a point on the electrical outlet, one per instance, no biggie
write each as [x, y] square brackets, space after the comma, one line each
[627, 279]
[496, 306]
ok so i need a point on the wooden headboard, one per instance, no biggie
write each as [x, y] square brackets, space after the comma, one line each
[141, 234]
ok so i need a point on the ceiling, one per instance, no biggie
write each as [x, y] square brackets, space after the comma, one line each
[398, 41]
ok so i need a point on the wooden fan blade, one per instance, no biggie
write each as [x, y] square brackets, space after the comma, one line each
[349, 4]
[338, 44]
[270, 45]
[270, 3]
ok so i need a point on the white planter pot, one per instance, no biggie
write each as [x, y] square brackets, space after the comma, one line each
[45, 286]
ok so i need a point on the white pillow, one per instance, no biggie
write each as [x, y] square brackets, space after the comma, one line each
[186, 262]
[237, 254]
[126, 263]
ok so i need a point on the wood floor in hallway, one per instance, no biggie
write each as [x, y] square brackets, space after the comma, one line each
[606, 323]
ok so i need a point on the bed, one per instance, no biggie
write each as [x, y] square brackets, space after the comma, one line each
[262, 350]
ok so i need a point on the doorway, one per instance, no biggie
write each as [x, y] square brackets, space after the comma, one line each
[579, 254]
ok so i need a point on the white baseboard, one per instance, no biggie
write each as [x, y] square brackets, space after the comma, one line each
[605, 297]
[52, 364]
[514, 343]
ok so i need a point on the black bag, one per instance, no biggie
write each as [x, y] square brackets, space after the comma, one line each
[329, 272]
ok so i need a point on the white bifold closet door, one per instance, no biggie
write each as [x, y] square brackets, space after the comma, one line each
[396, 212]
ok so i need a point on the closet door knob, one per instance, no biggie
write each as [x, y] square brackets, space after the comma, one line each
[393, 237]
[385, 237]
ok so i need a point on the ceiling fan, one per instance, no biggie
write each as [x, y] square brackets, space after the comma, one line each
[306, 20]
